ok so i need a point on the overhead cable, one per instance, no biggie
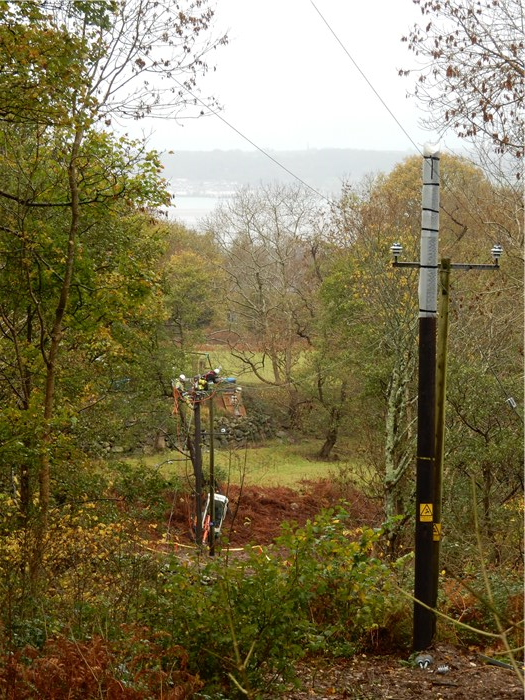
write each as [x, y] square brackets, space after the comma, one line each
[261, 150]
[366, 79]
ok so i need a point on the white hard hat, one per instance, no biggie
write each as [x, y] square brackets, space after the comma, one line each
[217, 371]
[182, 377]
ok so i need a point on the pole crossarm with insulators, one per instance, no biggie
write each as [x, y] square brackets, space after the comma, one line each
[496, 252]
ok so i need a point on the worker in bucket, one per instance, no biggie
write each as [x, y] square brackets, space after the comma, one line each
[199, 383]
[179, 391]
[212, 377]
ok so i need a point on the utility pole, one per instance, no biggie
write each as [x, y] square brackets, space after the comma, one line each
[200, 392]
[441, 391]
[424, 618]
[197, 468]
[431, 400]
[212, 482]
[424, 621]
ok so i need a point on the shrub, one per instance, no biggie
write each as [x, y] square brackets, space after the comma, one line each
[137, 667]
[243, 621]
[237, 622]
[143, 490]
[341, 580]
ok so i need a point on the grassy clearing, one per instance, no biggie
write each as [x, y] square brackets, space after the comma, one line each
[233, 367]
[274, 464]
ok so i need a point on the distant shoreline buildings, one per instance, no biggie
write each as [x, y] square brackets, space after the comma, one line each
[222, 173]
[183, 187]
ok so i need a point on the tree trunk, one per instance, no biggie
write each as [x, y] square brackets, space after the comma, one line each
[25, 476]
[51, 358]
[336, 415]
[160, 442]
[396, 459]
[331, 436]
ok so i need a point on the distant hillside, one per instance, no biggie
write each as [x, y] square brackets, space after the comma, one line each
[201, 172]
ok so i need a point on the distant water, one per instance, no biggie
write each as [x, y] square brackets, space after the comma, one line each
[190, 210]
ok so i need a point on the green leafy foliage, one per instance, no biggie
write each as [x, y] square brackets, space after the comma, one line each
[113, 297]
[144, 490]
[342, 579]
[239, 621]
[321, 590]
[42, 67]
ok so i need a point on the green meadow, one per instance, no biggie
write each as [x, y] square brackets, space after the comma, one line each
[232, 366]
[274, 464]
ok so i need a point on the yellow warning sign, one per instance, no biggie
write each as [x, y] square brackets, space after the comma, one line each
[425, 512]
[436, 532]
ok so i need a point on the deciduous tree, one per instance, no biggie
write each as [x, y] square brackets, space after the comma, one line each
[270, 243]
[472, 72]
[69, 68]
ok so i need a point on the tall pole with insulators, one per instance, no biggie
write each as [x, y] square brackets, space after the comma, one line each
[424, 618]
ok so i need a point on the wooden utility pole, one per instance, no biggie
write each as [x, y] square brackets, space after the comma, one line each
[197, 468]
[212, 482]
[441, 391]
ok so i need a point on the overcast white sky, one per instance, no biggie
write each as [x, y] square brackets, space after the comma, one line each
[287, 84]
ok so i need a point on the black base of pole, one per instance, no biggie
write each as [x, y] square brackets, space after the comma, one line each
[425, 619]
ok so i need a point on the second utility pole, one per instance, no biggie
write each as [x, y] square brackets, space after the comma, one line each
[212, 482]
[197, 469]
[441, 392]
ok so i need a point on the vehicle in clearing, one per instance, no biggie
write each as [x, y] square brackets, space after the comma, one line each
[221, 509]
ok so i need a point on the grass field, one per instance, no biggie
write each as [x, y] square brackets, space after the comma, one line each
[275, 464]
[233, 367]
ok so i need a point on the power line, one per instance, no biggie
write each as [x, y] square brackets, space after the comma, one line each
[379, 97]
[509, 400]
[270, 157]
[474, 213]
[369, 84]
[252, 143]
[366, 79]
